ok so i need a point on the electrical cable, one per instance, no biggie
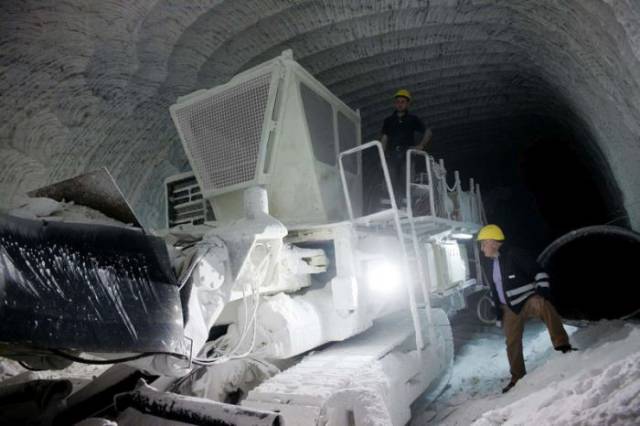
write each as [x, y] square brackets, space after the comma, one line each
[452, 188]
[185, 277]
[89, 361]
[28, 367]
[250, 322]
[246, 324]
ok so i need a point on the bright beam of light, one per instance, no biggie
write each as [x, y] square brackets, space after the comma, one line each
[461, 236]
[384, 278]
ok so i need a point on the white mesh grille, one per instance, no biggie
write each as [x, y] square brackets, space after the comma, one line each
[222, 133]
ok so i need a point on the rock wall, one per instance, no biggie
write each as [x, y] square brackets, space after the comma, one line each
[88, 84]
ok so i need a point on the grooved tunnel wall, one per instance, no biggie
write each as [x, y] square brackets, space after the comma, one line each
[539, 101]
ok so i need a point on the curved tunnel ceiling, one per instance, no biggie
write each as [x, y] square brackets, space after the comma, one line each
[86, 85]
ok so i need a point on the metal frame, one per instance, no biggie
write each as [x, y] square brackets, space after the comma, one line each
[443, 187]
[476, 213]
[425, 284]
[438, 211]
[439, 214]
[482, 214]
[398, 227]
[337, 105]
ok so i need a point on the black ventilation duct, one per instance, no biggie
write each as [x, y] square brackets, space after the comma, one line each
[595, 273]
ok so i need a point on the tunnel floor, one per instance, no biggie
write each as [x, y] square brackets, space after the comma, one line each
[480, 369]
[600, 381]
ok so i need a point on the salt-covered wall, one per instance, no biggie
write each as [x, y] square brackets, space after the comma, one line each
[88, 84]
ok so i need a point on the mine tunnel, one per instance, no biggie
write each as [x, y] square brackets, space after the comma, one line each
[537, 101]
[538, 105]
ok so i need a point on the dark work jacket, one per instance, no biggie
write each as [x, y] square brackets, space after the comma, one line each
[402, 131]
[522, 277]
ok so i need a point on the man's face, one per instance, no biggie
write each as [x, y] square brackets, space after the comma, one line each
[401, 104]
[490, 248]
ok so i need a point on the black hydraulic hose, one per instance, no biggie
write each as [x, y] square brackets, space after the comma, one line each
[62, 354]
[89, 361]
[28, 367]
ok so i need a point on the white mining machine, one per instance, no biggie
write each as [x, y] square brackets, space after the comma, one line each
[272, 297]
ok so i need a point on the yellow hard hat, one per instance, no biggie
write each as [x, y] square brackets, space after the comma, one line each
[490, 232]
[404, 93]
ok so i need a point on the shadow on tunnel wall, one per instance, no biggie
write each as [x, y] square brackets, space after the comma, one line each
[537, 182]
[542, 180]
[570, 191]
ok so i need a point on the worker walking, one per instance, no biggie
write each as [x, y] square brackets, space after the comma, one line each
[399, 133]
[520, 291]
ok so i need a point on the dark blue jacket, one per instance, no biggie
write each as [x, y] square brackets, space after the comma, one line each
[522, 277]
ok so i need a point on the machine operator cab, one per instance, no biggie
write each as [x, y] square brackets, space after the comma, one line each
[275, 126]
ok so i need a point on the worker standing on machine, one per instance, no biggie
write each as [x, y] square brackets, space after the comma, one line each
[520, 291]
[399, 133]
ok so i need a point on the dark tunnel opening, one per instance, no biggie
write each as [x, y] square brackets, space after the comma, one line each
[492, 153]
[594, 273]
[546, 185]
[568, 190]
[539, 181]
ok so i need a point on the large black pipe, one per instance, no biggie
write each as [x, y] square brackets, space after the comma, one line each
[595, 273]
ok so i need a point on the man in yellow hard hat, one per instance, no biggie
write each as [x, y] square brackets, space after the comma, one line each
[520, 291]
[400, 132]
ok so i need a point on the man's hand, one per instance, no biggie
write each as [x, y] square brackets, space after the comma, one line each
[499, 324]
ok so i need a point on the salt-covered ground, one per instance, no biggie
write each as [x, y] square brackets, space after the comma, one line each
[78, 374]
[597, 385]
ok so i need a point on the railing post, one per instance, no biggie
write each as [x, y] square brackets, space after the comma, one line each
[394, 208]
[424, 285]
[476, 260]
[432, 201]
[445, 195]
[472, 193]
[407, 187]
[458, 189]
[482, 217]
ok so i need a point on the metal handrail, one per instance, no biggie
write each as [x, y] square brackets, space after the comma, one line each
[396, 218]
[482, 215]
[425, 284]
[470, 209]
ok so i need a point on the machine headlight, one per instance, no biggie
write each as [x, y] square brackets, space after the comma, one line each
[461, 236]
[384, 277]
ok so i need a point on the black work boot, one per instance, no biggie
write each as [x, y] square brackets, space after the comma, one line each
[508, 387]
[565, 348]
